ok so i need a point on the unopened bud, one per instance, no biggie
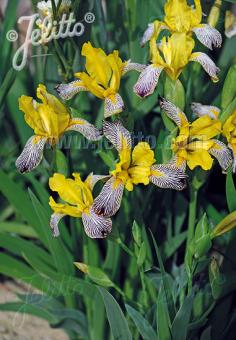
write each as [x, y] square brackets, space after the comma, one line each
[214, 14]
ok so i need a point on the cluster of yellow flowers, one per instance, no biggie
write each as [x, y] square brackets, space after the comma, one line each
[194, 145]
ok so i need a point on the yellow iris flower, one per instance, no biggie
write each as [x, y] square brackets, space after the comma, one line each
[49, 119]
[134, 167]
[229, 126]
[183, 18]
[102, 78]
[171, 55]
[195, 144]
[229, 131]
[77, 201]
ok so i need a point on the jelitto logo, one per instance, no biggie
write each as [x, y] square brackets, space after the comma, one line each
[49, 30]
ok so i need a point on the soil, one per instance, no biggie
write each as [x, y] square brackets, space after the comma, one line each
[17, 326]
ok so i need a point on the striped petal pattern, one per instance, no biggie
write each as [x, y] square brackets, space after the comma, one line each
[222, 154]
[168, 177]
[85, 128]
[147, 35]
[205, 110]
[108, 202]
[129, 66]
[208, 36]
[147, 81]
[173, 112]
[208, 65]
[31, 155]
[96, 226]
[116, 133]
[113, 106]
[67, 91]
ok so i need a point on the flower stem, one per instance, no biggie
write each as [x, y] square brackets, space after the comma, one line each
[192, 213]
[190, 233]
[144, 287]
[124, 247]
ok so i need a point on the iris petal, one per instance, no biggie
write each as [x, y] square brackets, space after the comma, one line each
[96, 226]
[32, 154]
[220, 151]
[113, 105]
[117, 134]
[67, 91]
[205, 110]
[147, 81]
[54, 221]
[173, 112]
[85, 128]
[108, 202]
[168, 177]
[208, 65]
[208, 36]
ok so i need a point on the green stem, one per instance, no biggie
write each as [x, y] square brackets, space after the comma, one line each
[120, 291]
[124, 247]
[70, 301]
[87, 301]
[192, 213]
[66, 67]
[191, 226]
[144, 287]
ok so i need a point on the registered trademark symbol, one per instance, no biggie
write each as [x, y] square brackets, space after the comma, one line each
[89, 18]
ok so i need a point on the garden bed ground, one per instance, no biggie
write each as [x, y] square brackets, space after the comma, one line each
[23, 326]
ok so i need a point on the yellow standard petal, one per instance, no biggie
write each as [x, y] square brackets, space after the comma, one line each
[180, 17]
[205, 128]
[32, 116]
[97, 64]
[177, 15]
[116, 65]
[51, 100]
[73, 191]
[176, 52]
[49, 118]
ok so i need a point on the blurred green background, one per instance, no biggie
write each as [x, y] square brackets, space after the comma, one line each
[146, 287]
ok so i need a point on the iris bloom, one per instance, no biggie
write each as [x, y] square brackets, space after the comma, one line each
[229, 127]
[102, 78]
[49, 119]
[134, 167]
[195, 144]
[229, 131]
[77, 201]
[171, 55]
[182, 18]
